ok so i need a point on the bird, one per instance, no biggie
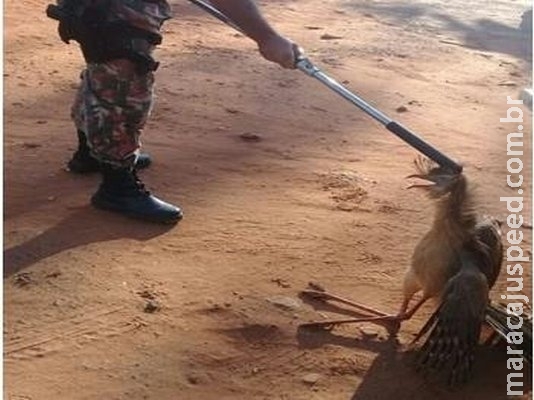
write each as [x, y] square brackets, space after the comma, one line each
[456, 262]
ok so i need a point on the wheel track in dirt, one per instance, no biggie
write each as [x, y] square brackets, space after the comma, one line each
[56, 336]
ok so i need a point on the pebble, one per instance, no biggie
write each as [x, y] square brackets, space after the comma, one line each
[316, 286]
[286, 303]
[250, 137]
[328, 36]
[369, 332]
[22, 279]
[401, 109]
[311, 379]
[281, 282]
[151, 306]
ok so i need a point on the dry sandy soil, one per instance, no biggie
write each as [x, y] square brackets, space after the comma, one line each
[319, 196]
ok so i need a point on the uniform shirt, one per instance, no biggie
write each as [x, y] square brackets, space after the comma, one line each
[148, 15]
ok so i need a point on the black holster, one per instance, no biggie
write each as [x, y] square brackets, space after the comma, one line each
[102, 41]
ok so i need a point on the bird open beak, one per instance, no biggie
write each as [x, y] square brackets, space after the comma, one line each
[427, 184]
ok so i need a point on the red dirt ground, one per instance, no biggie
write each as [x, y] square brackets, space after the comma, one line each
[320, 197]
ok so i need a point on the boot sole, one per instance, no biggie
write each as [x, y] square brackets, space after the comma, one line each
[103, 205]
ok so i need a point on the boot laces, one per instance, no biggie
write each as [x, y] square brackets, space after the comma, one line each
[139, 184]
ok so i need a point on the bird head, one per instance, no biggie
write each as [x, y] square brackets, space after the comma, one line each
[438, 180]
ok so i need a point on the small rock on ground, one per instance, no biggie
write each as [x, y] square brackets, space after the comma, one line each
[311, 379]
[151, 306]
[286, 303]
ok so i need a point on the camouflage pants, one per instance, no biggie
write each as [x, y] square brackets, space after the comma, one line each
[111, 107]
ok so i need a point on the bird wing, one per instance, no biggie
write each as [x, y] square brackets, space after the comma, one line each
[490, 247]
[456, 324]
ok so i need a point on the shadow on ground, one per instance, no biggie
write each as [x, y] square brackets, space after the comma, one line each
[394, 377]
[393, 374]
[483, 34]
[81, 227]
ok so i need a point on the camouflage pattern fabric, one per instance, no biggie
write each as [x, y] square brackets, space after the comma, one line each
[148, 14]
[112, 107]
[114, 101]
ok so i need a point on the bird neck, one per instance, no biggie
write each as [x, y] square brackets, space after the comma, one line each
[455, 215]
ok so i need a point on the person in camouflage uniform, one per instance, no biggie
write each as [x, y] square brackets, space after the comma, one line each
[114, 100]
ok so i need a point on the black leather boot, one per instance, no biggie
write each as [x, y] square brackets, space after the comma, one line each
[122, 191]
[83, 163]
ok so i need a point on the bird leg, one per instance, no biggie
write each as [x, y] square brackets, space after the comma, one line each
[334, 322]
[402, 315]
[316, 294]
